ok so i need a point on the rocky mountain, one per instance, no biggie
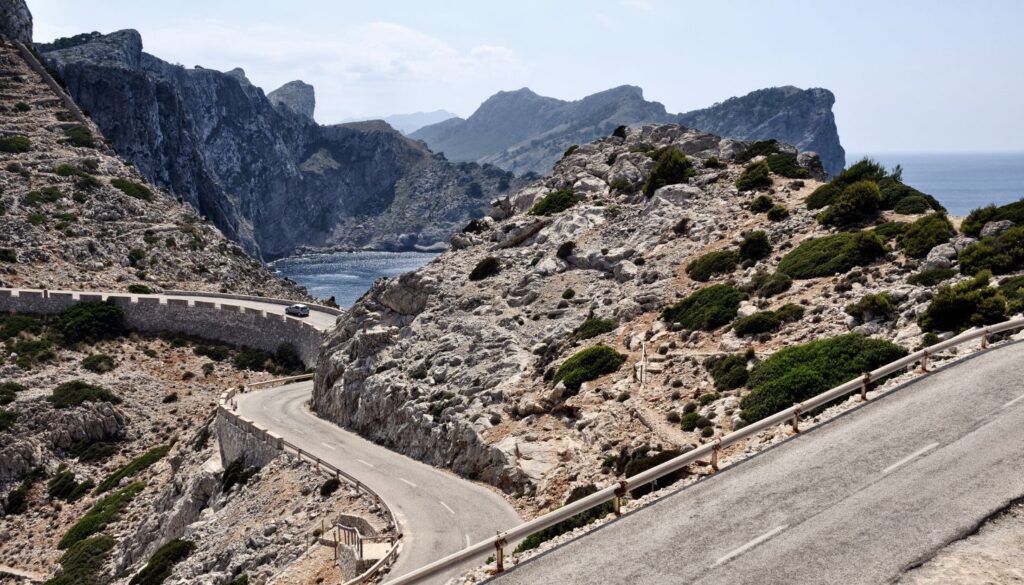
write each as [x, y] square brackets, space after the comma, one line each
[74, 215]
[409, 123]
[515, 356]
[524, 132]
[258, 165]
[15, 21]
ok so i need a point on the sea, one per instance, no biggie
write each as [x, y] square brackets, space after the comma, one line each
[961, 182]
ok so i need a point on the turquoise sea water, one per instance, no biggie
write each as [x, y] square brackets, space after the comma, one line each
[346, 276]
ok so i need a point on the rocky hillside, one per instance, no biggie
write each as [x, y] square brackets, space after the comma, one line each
[73, 215]
[258, 165]
[524, 132]
[512, 358]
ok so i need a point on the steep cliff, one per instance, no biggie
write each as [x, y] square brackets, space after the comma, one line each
[523, 132]
[261, 168]
[15, 21]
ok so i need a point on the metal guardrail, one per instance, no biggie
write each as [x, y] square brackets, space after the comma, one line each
[616, 492]
[228, 404]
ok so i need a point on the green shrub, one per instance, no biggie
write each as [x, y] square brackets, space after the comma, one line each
[799, 372]
[673, 167]
[64, 486]
[239, 580]
[729, 372]
[17, 498]
[555, 202]
[857, 204]
[997, 254]
[92, 321]
[329, 487]
[712, 162]
[42, 196]
[712, 263]
[755, 176]
[486, 268]
[768, 285]
[253, 359]
[287, 359]
[926, 233]
[139, 289]
[755, 246]
[173, 396]
[688, 421]
[31, 351]
[785, 165]
[91, 451]
[475, 226]
[761, 322]
[133, 467]
[891, 229]
[15, 144]
[872, 306]
[621, 184]
[579, 520]
[830, 255]
[864, 170]
[82, 563]
[217, 353]
[79, 136]
[9, 391]
[132, 189]
[759, 148]
[761, 204]
[619, 132]
[912, 205]
[565, 250]
[641, 464]
[77, 392]
[8, 255]
[568, 294]
[21, 107]
[588, 364]
[571, 150]
[36, 219]
[932, 276]
[100, 515]
[237, 474]
[707, 308]
[7, 419]
[977, 219]
[1013, 290]
[99, 363]
[160, 565]
[790, 312]
[594, 326]
[966, 304]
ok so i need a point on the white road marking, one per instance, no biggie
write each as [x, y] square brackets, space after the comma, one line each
[767, 535]
[447, 508]
[328, 445]
[366, 463]
[468, 542]
[909, 458]
[1014, 401]
[402, 479]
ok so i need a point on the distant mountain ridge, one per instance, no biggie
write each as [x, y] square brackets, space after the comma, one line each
[523, 132]
[409, 123]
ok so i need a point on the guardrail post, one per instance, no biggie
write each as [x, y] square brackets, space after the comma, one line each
[714, 456]
[620, 492]
[499, 554]
[924, 361]
[795, 423]
[864, 387]
[984, 338]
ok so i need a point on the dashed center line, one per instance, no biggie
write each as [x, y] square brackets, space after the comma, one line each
[366, 463]
[402, 479]
[909, 458]
[452, 512]
[329, 446]
[737, 552]
[1014, 401]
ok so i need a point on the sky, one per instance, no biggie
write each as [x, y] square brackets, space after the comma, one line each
[909, 76]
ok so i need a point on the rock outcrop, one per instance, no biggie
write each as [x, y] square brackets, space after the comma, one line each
[258, 165]
[15, 21]
[524, 132]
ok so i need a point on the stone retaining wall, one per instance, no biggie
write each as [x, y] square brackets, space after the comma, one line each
[239, 438]
[224, 322]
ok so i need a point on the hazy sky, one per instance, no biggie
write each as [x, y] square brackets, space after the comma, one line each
[928, 75]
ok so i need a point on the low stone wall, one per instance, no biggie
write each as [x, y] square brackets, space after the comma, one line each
[240, 439]
[272, 300]
[240, 326]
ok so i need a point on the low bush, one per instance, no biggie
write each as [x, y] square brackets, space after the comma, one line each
[790, 313]
[160, 565]
[253, 359]
[475, 226]
[832, 254]
[65, 486]
[239, 580]
[713, 162]
[17, 498]
[785, 165]
[217, 353]
[92, 451]
[7, 419]
[890, 229]
[31, 351]
[761, 204]
[729, 372]
[708, 308]
[672, 167]
[755, 176]
[966, 304]
[133, 467]
[83, 562]
[79, 136]
[863, 170]
[237, 474]
[287, 359]
[173, 396]
[8, 392]
[712, 263]
[329, 487]
[858, 203]
[593, 326]
[579, 520]
[641, 464]
[76, 392]
[761, 322]
[565, 250]
[15, 144]
[912, 205]
[759, 148]
[977, 219]
[926, 233]
[571, 150]
[139, 289]
[100, 515]
[688, 422]
[132, 189]
[755, 246]
[100, 363]
[8, 255]
[42, 196]
[768, 285]
[872, 306]
[568, 294]
[588, 364]
[799, 372]
[555, 202]
[92, 321]
[932, 276]
[619, 132]
[997, 254]
[486, 268]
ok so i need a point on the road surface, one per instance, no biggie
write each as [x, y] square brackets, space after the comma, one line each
[854, 501]
[439, 512]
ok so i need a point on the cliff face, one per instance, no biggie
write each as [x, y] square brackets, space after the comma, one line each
[523, 132]
[261, 168]
[15, 21]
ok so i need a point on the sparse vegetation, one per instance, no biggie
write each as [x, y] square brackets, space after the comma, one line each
[133, 467]
[856, 204]
[588, 364]
[708, 308]
[594, 326]
[100, 363]
[571, 150]
[755, 176]
[7, 419]
[486, 268]
[132, 189]
[713, 162]
[237, 474]
[998, 254]
[555, 202]
[77, 392]
[761, 204]
[160, 565]
[966, 304]
[872, 306]
[579, 520]
[672, 167]
[932, 276]
[102, 513]
[755, 246]
[1013, 212]
[830, 255]
[729, 372]
[330, 486]
[81, 563]
[15, 144]
[926, 233]
[92, 321]
[713, 263]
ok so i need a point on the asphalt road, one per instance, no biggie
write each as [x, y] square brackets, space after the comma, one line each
[854, 501]
[439, 513]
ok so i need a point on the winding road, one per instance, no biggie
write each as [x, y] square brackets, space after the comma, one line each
[857, 500]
